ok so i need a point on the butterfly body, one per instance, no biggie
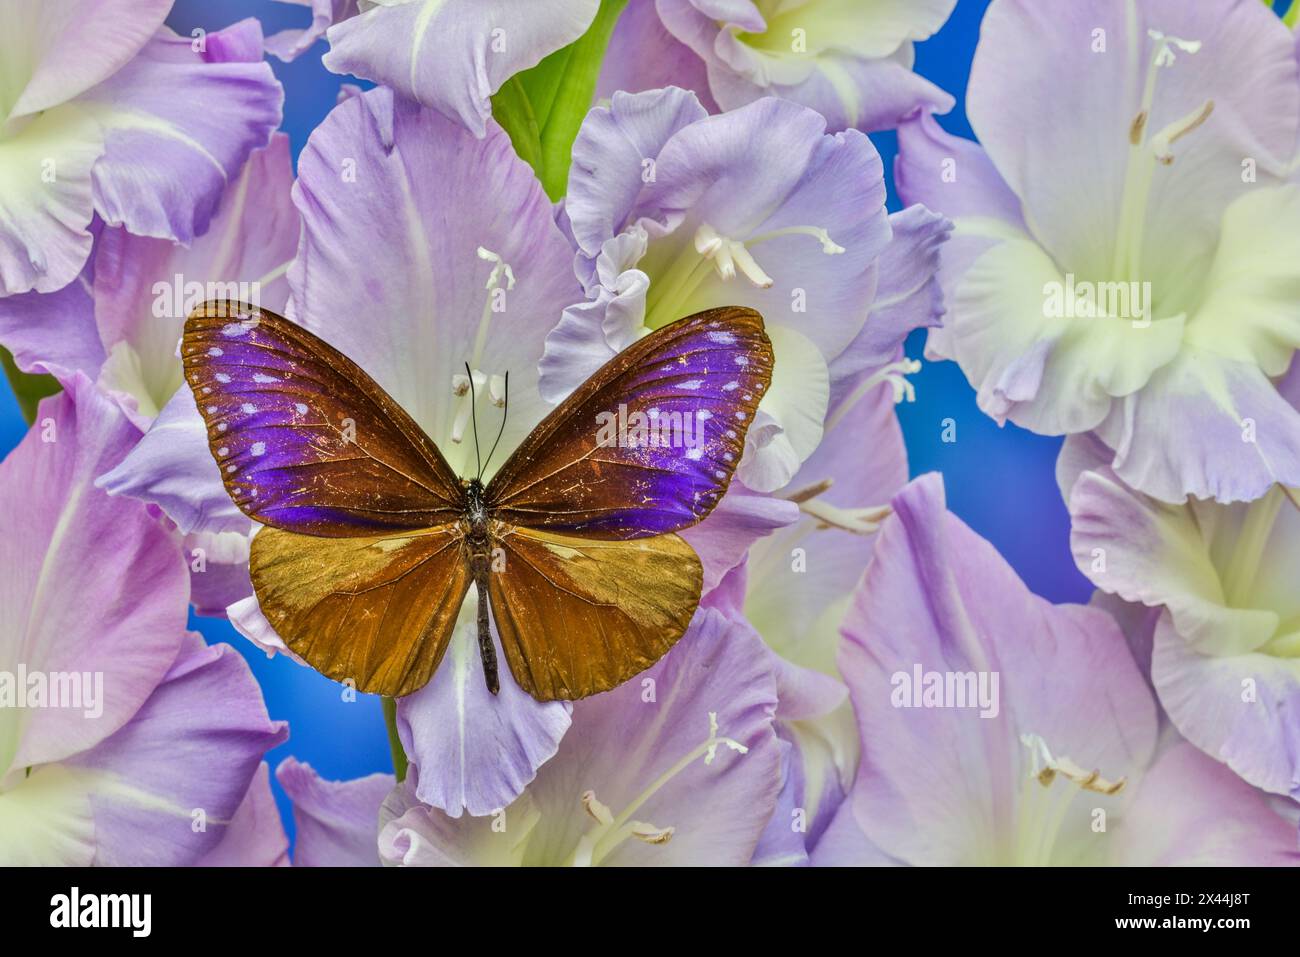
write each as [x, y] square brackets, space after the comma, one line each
[370, 541]
[480, 559]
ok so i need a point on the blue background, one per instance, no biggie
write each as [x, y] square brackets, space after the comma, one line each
[999, 480]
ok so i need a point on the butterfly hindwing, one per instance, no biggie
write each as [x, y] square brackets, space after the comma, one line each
[578, 616]
[378, 610]
[305, 440]
[585, 470]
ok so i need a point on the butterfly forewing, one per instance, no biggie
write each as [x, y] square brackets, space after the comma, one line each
[305, 440]
[649, 443]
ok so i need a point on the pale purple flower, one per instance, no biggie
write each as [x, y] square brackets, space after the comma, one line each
[1224, 648]
[121, 324]
[337, 822]
[681, 765]
[643, 55]
[105, 111]
[801, 576]
[849, 61]
[152, 761]
[798, 581]
[1125, 257]
[478, 751]
[290, 44]
[796, 585]
[451, 55]
[673, 211]
[255, 837]
[997, 728]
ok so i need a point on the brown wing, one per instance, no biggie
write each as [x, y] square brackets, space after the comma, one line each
[578, 616]
[305, 440]
[378, 610]
[589, 469]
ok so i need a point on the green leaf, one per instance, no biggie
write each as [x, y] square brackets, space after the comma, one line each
[28, 389]
[542, 107]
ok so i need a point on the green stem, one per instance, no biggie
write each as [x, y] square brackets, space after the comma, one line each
[394, 742]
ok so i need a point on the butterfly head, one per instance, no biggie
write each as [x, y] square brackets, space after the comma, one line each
[473, 494]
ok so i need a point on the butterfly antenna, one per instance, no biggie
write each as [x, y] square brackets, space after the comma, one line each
[473, 401]
[505, 409]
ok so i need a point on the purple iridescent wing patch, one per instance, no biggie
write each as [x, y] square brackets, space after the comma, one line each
[305, 440]
[649, 443]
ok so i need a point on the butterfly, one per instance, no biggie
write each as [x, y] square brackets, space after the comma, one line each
[370, 540]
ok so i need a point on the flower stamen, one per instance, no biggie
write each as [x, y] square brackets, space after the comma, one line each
[1171, 134]
[1047, 766]
[829, 246]
[500, 278]
[612, 830]
[465, 390]
[856, 521]
[895, 374]
[1126, 261]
